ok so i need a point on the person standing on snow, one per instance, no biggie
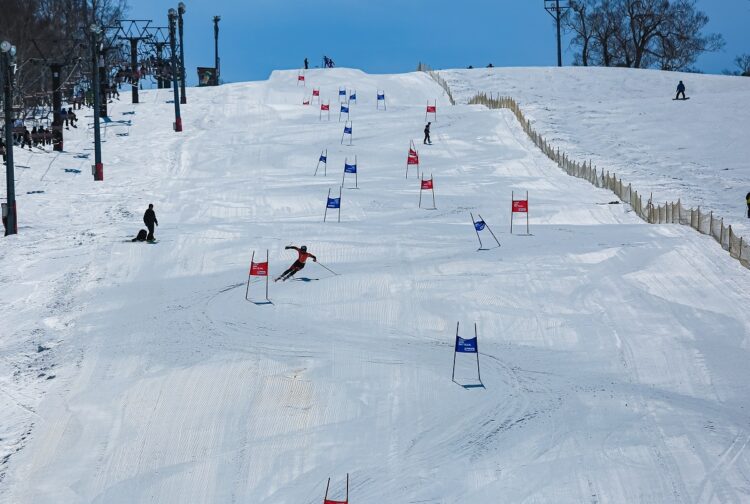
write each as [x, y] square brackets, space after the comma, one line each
[747, 199]
[427, 139]
[680, 91]
[149, 219]
[298, 264]
[306, 64]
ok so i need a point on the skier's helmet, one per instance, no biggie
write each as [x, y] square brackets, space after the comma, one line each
[303, 248]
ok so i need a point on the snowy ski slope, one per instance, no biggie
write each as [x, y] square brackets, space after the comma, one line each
[625, 121]
[613, 353]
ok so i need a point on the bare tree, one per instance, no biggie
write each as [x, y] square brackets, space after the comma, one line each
[47, 32]
[743, 64]
[665, 34]
[580, 24]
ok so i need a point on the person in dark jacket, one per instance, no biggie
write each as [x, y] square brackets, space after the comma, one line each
[64, 118]
[298, 264]
[427, 134]
[747, 199]
[149, 218]
[307, 64]
[680, 91]
[26, 138]
[2, 152]
[72, 118]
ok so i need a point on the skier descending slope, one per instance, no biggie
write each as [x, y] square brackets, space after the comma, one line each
[298, 264]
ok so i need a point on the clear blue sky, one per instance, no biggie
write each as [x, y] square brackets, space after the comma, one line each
[384, 36]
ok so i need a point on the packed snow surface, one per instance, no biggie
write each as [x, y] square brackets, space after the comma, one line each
[613, 353]
[626, 121]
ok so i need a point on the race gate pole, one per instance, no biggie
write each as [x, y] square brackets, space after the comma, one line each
[347, 488]
[247, 290]
[512, 197]
[327, 198]
[479, 375]
[318, 165]
[473, 224]
[327, 485]
[340, 188]
[421, 181]
[453, 374]
[356, 173]
[527, 212]
[268, 273]
[433, 192]
[343, 176]
[425, 110]
[490, 230]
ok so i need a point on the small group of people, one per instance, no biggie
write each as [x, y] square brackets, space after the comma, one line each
[37, 137]
[327, 62]
[69, 118]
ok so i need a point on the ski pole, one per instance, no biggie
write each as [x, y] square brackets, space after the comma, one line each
[326, 267]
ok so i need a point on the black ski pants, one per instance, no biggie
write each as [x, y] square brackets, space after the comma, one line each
[150, 231]
[680, 93]
[294, 268]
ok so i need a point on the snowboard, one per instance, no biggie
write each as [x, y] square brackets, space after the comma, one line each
[680, 99]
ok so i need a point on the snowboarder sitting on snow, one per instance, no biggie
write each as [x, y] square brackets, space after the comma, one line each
[149, 218]
[141, 236]
[680, 91]
[427, 134]
[298, 264]
[747, 198]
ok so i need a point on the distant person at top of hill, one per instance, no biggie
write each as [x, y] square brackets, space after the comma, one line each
[747, 199]
[307, 64]
[490, 66]
[680, 91]
[427, 139]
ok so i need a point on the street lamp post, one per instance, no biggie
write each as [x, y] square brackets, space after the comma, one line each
[217, 69]
[98, 166]
[180, 12]
[172, 45]
[7, 53]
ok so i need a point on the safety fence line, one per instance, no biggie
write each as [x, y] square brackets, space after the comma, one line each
[421, 67]
[669, 213]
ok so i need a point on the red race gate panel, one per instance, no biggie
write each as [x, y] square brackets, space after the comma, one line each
[259, 269]
[520, 206]
[427, 184]
[325, 107]
[431, 109]
[316, 92]
[300, 77]
[329, 501]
